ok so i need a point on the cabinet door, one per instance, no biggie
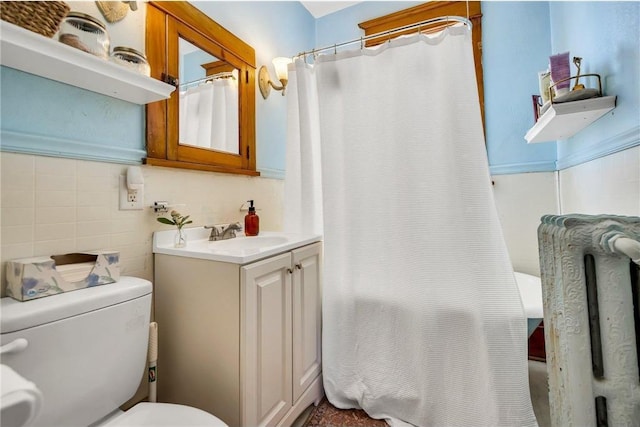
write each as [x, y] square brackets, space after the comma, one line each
[307, 315]
[266, 341]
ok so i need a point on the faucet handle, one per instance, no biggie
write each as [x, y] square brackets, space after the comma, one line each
[232, 228]
[215, 231]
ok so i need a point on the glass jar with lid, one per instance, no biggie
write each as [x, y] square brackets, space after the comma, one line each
[132, 59]
[86, 33]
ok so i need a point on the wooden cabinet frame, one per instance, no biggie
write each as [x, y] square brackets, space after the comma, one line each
[166, 22]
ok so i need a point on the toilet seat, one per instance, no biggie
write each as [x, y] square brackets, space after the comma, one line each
[147, 414]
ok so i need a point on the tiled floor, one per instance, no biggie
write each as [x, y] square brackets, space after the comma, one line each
[326, 415]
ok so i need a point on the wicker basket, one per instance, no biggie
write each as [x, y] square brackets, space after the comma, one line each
[42, 17]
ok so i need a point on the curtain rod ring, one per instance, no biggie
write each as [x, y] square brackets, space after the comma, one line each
[335, 49]
[361, 43]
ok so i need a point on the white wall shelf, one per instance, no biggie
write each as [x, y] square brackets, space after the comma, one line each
[563, 120]
[33, 53]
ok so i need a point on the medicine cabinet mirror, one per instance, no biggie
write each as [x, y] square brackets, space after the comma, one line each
[209, 121]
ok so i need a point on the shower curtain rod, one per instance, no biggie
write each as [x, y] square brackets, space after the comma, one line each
[222, 75]
[361, 40]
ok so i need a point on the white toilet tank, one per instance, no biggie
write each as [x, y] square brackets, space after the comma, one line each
[86, 349]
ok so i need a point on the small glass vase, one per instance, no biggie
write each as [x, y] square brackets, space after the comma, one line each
[180, 239]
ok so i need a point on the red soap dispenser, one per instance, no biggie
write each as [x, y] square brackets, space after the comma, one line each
[251, 221]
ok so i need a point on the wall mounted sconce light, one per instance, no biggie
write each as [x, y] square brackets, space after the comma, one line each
[264, 80]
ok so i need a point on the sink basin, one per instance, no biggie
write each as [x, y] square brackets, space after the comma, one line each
[248, 243]
[239, 250]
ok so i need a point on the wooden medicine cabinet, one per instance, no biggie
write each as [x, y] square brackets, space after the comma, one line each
[208, 123]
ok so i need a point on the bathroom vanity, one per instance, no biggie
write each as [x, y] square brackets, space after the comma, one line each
[239, 325]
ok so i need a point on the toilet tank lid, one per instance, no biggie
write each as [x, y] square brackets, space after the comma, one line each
[17, 315]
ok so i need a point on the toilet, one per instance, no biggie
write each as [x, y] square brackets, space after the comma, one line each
[86, 351]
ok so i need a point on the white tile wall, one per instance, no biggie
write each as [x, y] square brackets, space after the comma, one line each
[609, 185]
[54, 206]
[521, 199]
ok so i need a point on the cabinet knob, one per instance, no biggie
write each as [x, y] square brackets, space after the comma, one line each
[290, 271]
[299, 266]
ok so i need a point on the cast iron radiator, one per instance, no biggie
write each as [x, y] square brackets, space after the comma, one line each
[591, 295]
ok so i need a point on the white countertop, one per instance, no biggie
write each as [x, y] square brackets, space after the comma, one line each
[239, 250]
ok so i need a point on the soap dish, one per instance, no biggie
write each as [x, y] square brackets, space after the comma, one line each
[577, 95]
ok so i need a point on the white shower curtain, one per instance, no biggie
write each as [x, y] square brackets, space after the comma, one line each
[302, 184]
[422, 320]
[209, 115]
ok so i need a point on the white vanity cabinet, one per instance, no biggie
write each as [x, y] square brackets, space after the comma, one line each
[241, 341]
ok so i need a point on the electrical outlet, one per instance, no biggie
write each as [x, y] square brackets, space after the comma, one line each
[130, 200]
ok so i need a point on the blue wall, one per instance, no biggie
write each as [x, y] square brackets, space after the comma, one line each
[39, 115]
[518, 38]
[191, 66]
[51, 118]
[607, 37]
[46, 117]
[516, 44]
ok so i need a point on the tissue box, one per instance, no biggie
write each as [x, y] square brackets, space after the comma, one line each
[31, 278]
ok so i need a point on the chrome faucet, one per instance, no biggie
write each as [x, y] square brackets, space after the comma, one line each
[221, 232]
[230, 231]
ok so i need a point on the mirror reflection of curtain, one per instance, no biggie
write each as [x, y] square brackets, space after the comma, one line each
[209, 115]
[189, 115]
[225, 134]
